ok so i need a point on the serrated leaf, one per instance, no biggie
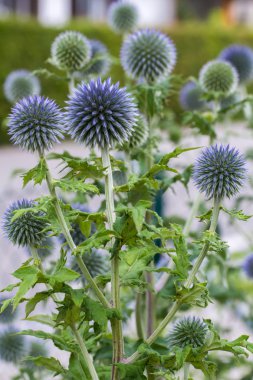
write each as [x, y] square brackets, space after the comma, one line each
[182, 258]
[64, 275]
[73, 185]
[237, 214]
[36, 174]
[32, 303]
[51, 364]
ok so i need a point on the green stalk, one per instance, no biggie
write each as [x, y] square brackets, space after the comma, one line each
[151, 339]
[68, 237]
[186, 370]
[139, 317]
[87, 358]
[118, 343]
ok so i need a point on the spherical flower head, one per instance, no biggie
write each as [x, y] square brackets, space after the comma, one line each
[20, 84]
[218, 77]
[241, 57]
[70, 51]
[148, 55]
[97, 263]
[219, 172]
[190, 331]
[27, 229]
[100, 113]
[8, 315]
[35, 124]
[248, 266]
[190, 97]
[101, 64]
[123, 16]
[139, 134]
[12, 346]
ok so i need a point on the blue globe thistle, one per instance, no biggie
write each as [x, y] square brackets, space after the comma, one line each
[20, 84]
[97, 263]
[139, 134]
[248, 266]
[218, 77]
[190, 97]
[8, 315]
[12, 346]
[123, 16]
[219, 172]
[191, 331]
[101, 64]
[26, 230]
[35, 123]
[70, 51]
[100, 113]
[148, 55]
[241, 57]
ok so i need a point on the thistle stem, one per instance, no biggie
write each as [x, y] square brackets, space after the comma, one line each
[151, 339]
[138, 316]
[118, 343]
[68, 237]
[186, 370]
[87, 358]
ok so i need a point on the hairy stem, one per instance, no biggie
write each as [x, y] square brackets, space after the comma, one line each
[87, 358]
[68, 237]
[151, 339]
[118, 343]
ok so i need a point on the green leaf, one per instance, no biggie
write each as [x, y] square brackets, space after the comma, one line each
[196, 295]
[182, 258]
[73, 185]
[51, 364]
[237, 214]
[36, 174]
[64, 275]
[31, 304]
[29, 276]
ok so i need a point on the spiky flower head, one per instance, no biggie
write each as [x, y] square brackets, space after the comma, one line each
[12, 346]
[70, 51]
[28, 228]
[190, 97]
[8, 315]
[100, 113]
[97, 263]
[123, 16]
[248, 266]
[148, 55]
[100, 56]
[241, 57]
[35, 123]
[219, 172]
[139, 134]
[190, 331]
[20, 84]
[218, 77]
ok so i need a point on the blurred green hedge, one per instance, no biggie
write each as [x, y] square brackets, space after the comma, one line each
[26, 44]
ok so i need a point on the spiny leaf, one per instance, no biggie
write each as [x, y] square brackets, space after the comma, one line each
[237, 214]
[36, 174]
[51, 364]
[74, 185]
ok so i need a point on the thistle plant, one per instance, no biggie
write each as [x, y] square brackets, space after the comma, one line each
[20, 84]
[123, 16]
[103, 275]
[148, 55]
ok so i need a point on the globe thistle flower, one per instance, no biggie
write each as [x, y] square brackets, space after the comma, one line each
[219, 172]
[97, 263]
[241, 57]
[28, 229]
[70, 51]
[101, 64]
[12, 346]
[20, 84]
[139, 134]
[8, 315]
[100, 113]
[190, 331]
[190, 97]
[123, 16]
[148, 55]
[218, 77]
[248, 266]
[35, 123]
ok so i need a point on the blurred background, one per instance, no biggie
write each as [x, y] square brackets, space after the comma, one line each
[200, 30]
